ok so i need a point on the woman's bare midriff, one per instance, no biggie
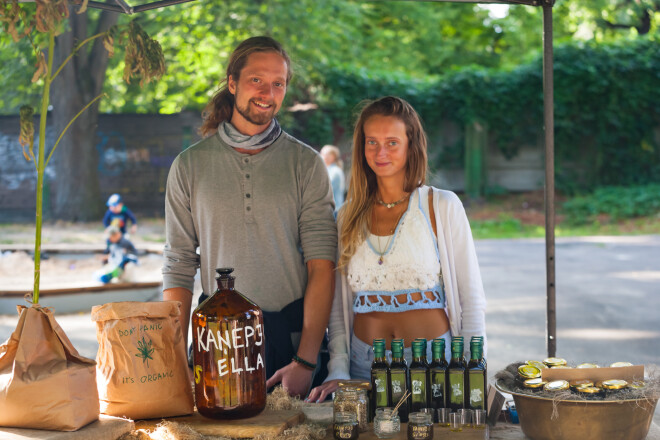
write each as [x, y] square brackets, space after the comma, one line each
[426, 323]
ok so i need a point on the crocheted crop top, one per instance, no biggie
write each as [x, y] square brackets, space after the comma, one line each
[409, 277]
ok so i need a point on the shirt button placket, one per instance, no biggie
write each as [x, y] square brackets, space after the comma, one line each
[247, 190]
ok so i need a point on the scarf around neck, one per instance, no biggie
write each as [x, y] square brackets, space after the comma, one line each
[235, 139]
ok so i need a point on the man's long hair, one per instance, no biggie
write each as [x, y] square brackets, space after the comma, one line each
[355, 214]
[221, 106]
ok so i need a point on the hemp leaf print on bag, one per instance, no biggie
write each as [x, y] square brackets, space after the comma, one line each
[145, 351]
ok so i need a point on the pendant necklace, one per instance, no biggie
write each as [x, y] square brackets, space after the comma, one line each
[381, 253]
[393, 204]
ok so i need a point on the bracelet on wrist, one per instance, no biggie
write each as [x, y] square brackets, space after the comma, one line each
[303, 362]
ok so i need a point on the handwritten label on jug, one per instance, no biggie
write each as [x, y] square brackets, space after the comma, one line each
[239, 337]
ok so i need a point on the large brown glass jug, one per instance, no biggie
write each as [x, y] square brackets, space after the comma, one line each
[228, 353]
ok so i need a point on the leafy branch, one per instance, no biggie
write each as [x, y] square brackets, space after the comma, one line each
[144, 58]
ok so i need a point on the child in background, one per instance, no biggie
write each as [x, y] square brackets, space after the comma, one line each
[119, 215]
[119, 251]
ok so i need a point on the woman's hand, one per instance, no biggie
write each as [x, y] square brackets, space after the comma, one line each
[322, 391]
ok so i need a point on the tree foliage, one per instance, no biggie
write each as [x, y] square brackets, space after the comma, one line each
[348, 49]
[417, 39]
[607, 107]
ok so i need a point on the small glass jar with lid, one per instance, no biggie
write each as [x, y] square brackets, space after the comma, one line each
[345, 426]
[590, 393]
[420, 426]
[353, 400]
[556, 386]
[580, 383]
[614, 386]
[534, 385]
[387, 423]
[555, 362]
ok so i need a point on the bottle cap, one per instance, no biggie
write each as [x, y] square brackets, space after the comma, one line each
[637, 385]
[529, 371]
[614, 384]
[621, 364]
[556, 385]
[588, 390]
[538, 364]
[354, 383]
[535, 383]
[554, 361]
[587, 365]
[580, 383]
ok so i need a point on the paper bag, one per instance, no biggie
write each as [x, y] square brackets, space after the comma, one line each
[44, 382]
[142, 370]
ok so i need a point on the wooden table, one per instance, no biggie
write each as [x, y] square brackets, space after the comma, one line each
[501, 431]
[438, 433]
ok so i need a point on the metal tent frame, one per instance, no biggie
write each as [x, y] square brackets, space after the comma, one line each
[121, 6]
[548, 122]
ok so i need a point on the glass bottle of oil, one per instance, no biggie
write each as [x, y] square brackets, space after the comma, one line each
[228, 353]
[438, 374]
[419, 378]
[456, 376]
[476, 376]
[380, 378]
[399, 379]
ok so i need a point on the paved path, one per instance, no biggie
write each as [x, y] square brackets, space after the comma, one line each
[608, 299]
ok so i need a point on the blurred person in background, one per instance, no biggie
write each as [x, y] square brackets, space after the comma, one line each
[332, 158]
[119, 215]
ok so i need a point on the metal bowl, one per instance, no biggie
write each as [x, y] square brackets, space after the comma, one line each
[583, 420]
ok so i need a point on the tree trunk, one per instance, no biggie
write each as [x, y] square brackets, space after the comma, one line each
[76, 185]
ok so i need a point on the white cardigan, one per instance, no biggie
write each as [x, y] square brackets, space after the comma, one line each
[466, 302]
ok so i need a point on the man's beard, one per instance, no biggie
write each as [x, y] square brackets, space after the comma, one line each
[254, 117]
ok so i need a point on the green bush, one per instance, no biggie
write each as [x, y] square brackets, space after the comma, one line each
[617, 202]
[607, 105]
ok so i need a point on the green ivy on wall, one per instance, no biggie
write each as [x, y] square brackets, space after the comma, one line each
[607, 106]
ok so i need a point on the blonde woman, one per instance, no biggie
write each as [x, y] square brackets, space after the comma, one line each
[407, 267]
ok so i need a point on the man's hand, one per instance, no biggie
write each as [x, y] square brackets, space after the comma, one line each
[322, 391]
[295, 379]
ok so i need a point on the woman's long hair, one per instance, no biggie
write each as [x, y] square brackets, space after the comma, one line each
[355, 214]
[221, 106]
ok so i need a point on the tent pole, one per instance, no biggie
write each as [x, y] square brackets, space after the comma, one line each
[549, 124]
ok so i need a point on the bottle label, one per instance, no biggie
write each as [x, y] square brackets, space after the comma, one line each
[456, 383]
[226, 345]
[380, 385]
[477, 390]
[417, 386]
[239, 337]
[420, 432]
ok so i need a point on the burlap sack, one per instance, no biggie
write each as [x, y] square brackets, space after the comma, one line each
[142, 371]
[44, 382]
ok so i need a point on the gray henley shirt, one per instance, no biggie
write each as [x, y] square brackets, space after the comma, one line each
[265, 215]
